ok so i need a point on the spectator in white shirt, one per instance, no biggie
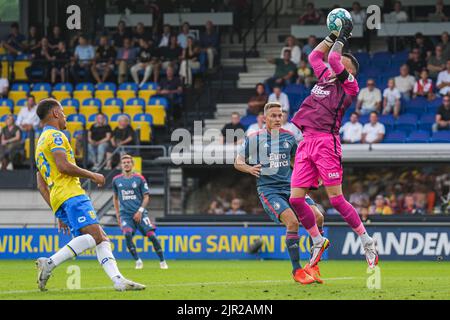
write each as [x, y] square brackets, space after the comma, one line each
[4, 87]
[405, 82]
[280, 97]
[296, 53]
[443, 80]
[391, 99]
[27, 118]
[352, 130]
[165, 37]
[399, 14]
[289, 126]
[373, 132]
[369, 99]
[256, 126]
[358, 15]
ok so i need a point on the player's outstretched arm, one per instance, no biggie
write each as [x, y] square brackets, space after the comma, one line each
[315, 58]
[43, 188]
[240, 165]
[65, 167]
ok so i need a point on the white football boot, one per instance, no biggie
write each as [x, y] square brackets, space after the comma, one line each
[44, 272]
[163, 265]
[139, 264]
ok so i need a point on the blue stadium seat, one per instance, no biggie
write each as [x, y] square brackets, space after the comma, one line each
[372, 72]
[400, 57]
[420, 136]
[42, 86]
[426, 121]
[92, 102]
[115, 117]
[136, 102]
[295, 89]
[85, 86]
[159, 101]
[416, 106]
[248, 120]
[3, 118]
[67, 134]
[406, 122]
[7, 103]
[363, 58]
[440, 137]
[382, 60]
[114, 102]
[203, 59]
[395, 137]
[295, 100]
[144, 117]
[70, 103]
[128, 86]
[20, 87]
[434, 105]
[63, 86]
[21, 103]
[388, 121]
[149, 86]
[76, 118]
[364, 118]
[107, 86]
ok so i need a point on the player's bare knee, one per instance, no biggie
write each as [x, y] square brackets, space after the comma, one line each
[292, 225]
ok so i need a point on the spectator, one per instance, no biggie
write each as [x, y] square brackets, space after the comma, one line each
[399, 15]
[424, 86]
[60, 63]
[234, 131]
[289, 126]
[125, 57]
[358, 15]
[121, 34]
[56, 37]
[445, 44]
[311, 16]
[373, 132]
[352, 130]
[215, 208]
[424, 45]
[380, 206]
[439, 14]
[41, 58]
[443, 80]
[33, 40]
[235, 208]
[255, 127]
[284, 70]
[443, 115]
[103, 64]
[15, 42]
[415, 63]
[256, 102]
[10, 145]
[405, 82]
[27, 118]
[305, 75]
[140, 34]
[170, 87]
[436, 63]
[210, 43]
[280, 97]
[171, 55]
[184, 35]
[369, 99]
[146, 61]
[84, 54]
[190, 61]
[296, 52]
[165, 37]
[4, 84]
[310, 45]
[410, 207]
[359, 199]
[123, 135]
[99, 136]
[391, 99]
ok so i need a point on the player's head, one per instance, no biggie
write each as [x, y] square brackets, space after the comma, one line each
[350, 63]
[51, 113]
[274, 115]
[127, 163]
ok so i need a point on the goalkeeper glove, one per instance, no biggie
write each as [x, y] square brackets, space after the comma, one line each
[346, 31]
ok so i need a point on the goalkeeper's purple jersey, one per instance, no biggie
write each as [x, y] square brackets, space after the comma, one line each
[323, 110]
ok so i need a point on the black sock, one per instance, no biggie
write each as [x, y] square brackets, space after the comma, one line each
[130, 245]
[293, 247]
[157, 247]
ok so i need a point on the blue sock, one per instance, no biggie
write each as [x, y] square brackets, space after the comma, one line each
[293, 247]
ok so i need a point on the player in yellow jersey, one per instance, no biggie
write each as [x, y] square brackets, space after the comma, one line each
[59, 184]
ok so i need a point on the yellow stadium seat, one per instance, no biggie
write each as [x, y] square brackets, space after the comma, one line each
[4, 111]
[82, 95]
[125, 95]
[132, 110]
[5, 67]
[146, 94]
[19, 70]
[145, 130]
[158, 113]
[74, 126]
[88, 110]
[111, 110]
[104, 94]
[16, 110]
[113, 124]
[39, 95]
[69, 110]
[61, 95]
[2, 50]
[137, 164]
[27, 147]
[17, 95]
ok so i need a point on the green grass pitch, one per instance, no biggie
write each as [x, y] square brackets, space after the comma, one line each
[232, 280]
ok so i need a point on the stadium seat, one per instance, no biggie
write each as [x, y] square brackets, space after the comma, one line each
[70, 103]
[440, 137]
[159, 101]
[93, 102]
[136, 102]
[128, 86]
[17, 95]
[125, 95]
[60, 95]
[363, 119]
[146, 94]
[104, 95]
[20, 87]
[5, 110]
[434, 105]
[89, 110]
[426, 121]
[74, 126]
[406, 122]
[416, 106]
[400, 57]
[113, 124]
[107, 86]
[113, 102]
[143, 117]
[381, 59]
[20, 64]
[6, 62]
[7, 103]
[132, 110]
[388, 121]
[69, 110]
[149, 86]
[40, 95]
[111, 110]
[3, 118]
[77, 118]
[42, 86]
[158, 114]
[85, 86]
[419, 136]
[63, 86]
[82, 95]
[395, 137]
[248, 120]
[115, 117]
[145, 130]
[363, 57]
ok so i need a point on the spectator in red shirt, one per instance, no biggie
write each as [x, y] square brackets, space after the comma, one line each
[424, 86]
[311, 16]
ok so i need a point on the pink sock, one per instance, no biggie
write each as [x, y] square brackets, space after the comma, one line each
[348, 213]
[305, 215]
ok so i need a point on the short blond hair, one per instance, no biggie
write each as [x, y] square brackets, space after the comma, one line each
[271, 105]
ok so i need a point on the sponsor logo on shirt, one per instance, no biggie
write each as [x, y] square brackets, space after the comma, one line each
[128, 195]
[318, 91]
